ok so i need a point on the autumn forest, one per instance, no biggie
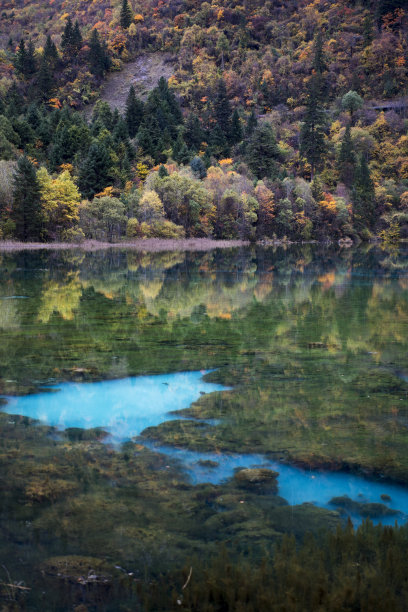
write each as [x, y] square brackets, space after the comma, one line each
[266, 120]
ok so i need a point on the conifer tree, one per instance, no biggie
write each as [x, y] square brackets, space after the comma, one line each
[50, 53]
[66, 38]
[76, 39]
[163, 172]
[236, 129]
[180, 151]
[198, 167]
[263, 152]
[347, 159]
[218, 142]
[251, 123]
[95, 171]
[126, 15]
[222, 110]
[31, 64]
[26, 212]
[363, 195]
[133, 112]
[14, 101]
[20, 60]
[45, 80]
[98, 58]
[24, 62]
[194, 134]
[312, 135]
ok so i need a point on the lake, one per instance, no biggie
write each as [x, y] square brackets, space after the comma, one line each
[156, 405]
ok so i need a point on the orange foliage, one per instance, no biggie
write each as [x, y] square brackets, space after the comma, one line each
[329, 203]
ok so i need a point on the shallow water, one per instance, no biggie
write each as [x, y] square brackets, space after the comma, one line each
[126, 407]
[307, 354]
[123, 407]
[297, 486]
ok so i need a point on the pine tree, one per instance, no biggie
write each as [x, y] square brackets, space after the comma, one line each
[26, 212]
[14, 101]
[319, 60]
[45, 80]
[76, 39]
[251, 123]
[20, 59]
[180, 151]
[236, 129]
[126, 15]
[222, 110]
[194, 134]
[66, 39]
[218, 143]
[263, 152]
[347, 159]
[50, 53]
[198, 167]
[71, 41]
[31, 64]
[163, 172]
[133, 112]
[363, 195]
[98, 58]
[312, 135]
[24, 62]
[95, 171]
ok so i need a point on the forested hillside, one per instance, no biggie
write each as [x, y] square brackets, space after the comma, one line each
[281, 119]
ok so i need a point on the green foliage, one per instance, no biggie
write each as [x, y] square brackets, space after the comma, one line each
[95, 172]
[351, 102]
[363, 195]
[126, 15]
[198, 167]
[347, 159]
[99, 60]
[26, 211]
[133, 112]
[103, 218]
[263, 152]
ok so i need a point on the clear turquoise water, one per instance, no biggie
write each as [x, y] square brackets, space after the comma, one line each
[126, 407]
[123, 407]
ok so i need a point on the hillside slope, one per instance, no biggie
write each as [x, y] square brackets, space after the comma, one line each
[292, 114]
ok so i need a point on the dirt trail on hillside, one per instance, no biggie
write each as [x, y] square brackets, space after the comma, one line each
[143, 73]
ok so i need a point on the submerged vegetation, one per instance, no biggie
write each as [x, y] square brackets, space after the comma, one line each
[85, 524]
[265, 122]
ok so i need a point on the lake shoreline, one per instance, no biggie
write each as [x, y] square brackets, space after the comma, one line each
[151, 245]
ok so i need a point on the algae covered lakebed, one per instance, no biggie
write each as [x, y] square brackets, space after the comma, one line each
[307, 352]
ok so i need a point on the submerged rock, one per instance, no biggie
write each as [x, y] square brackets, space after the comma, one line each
[368, 510]
[385, 497]
[80, 570]
[260, 479]
[302, 518]
[208, 463]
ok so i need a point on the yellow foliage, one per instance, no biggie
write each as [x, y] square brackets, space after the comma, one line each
[60, 201]
[142, 171]
[225, 162]
[62, 299]
[106, 193]
[329, 203]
